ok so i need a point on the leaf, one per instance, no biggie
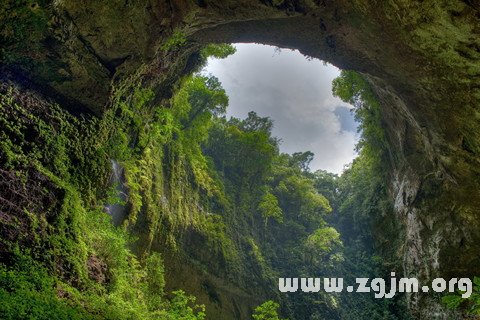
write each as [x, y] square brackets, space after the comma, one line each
[452, 301]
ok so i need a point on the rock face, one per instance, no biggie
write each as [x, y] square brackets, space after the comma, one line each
[421, 57]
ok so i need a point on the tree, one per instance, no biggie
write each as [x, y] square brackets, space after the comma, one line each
[183, 307]
[266, 311]
[270, 209]
[302, 160]
[219, 51]
[352, 88]
[255, 123]
[326, 183]
[243, 154]
[205, 95]
[322, 244]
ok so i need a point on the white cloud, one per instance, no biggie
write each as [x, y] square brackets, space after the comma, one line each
[296, 93]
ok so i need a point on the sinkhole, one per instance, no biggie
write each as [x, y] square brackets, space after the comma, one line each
[295, 91]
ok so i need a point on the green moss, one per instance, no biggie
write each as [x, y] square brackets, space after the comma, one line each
[27, 291]
[267, 311]
[470, 305]
[175, 41]
[262, 265]
[23, 24]
[60, 164]
[215, 230]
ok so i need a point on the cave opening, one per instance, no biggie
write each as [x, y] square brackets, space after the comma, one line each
[303, 220]
[295, 91]
[416, 189]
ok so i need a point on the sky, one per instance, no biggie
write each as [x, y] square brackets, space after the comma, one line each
[296, 93]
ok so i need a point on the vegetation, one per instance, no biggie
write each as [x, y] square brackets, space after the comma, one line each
[362, 207]
[61, 255]
[280, 190]
[23, 23]
[216, 193]
[191, 173]
[470, 305]
[176, 40]
[64, 253]
[266, 311]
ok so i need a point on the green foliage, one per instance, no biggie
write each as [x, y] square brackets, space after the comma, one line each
[79, 266]
[175, 41]
[352, 88]
[155, 274]
[302, 160]
[254, 123]
[180, 308]
[322, 242]
[361, 207]
[44, 133]
[189, 171]
[470, 305]
[28, 292]
[270, 209]
[23, 24]
[266, 311]
[219, 241]
[197, 100]
[218, 51]
[263, 186]
[242, 150]
[167, 175]
[296, 190]
[326, 183]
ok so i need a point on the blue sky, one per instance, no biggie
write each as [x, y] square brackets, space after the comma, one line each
[296, 93]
